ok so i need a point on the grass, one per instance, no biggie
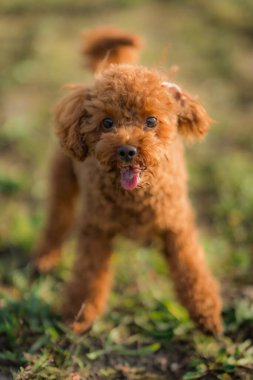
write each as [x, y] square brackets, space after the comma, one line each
[145, 333]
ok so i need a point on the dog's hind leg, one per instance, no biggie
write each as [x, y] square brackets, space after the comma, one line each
[60, 215]
[86, 294]
[195, 286]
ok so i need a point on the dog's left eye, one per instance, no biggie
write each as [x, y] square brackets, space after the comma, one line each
[151, 122]
[107, 123]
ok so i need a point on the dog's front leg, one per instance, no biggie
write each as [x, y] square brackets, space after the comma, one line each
[195, 286]
[87, 291]
[60, 214]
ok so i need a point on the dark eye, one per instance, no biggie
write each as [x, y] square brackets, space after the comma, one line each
[151, 122]
[107, 123]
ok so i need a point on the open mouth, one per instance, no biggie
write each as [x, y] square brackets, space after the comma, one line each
[130, 177]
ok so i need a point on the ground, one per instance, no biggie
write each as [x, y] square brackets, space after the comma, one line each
[145, 333]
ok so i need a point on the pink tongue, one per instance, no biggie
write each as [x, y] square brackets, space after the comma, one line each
[129, 178]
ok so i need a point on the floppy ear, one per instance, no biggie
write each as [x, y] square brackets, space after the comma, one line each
[69, 115]
[193, 120]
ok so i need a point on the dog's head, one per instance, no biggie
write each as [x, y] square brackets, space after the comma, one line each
[128, 120]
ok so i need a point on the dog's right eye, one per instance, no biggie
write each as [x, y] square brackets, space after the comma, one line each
[107, 124]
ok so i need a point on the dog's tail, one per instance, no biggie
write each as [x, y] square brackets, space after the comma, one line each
[106, 45]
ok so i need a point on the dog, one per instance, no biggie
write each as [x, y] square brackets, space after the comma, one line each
[121, 153]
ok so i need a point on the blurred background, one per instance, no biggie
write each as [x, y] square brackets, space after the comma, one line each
[210, 42]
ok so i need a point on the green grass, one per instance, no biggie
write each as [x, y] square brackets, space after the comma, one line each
[145, 333]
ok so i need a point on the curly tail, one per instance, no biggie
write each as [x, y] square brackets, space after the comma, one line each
[106, 45]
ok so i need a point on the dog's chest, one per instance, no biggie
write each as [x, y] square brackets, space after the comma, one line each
[135, 216]
[139, 214]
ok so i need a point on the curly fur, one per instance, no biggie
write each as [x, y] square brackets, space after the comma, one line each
[106, 45]
[159, 206]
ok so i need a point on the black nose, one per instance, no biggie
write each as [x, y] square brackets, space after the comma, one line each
[127, 152]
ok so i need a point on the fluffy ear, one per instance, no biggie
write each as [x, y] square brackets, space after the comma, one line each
[193, 120]
[69, 115]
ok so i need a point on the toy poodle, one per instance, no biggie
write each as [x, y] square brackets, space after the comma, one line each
[122, 155]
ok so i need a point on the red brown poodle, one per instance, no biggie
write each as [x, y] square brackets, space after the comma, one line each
[123, 156]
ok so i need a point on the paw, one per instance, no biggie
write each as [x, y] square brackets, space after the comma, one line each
[207, 315]
[210, 324]
[206, 308]
[81, 327]
[47, 261]
[81, 321]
